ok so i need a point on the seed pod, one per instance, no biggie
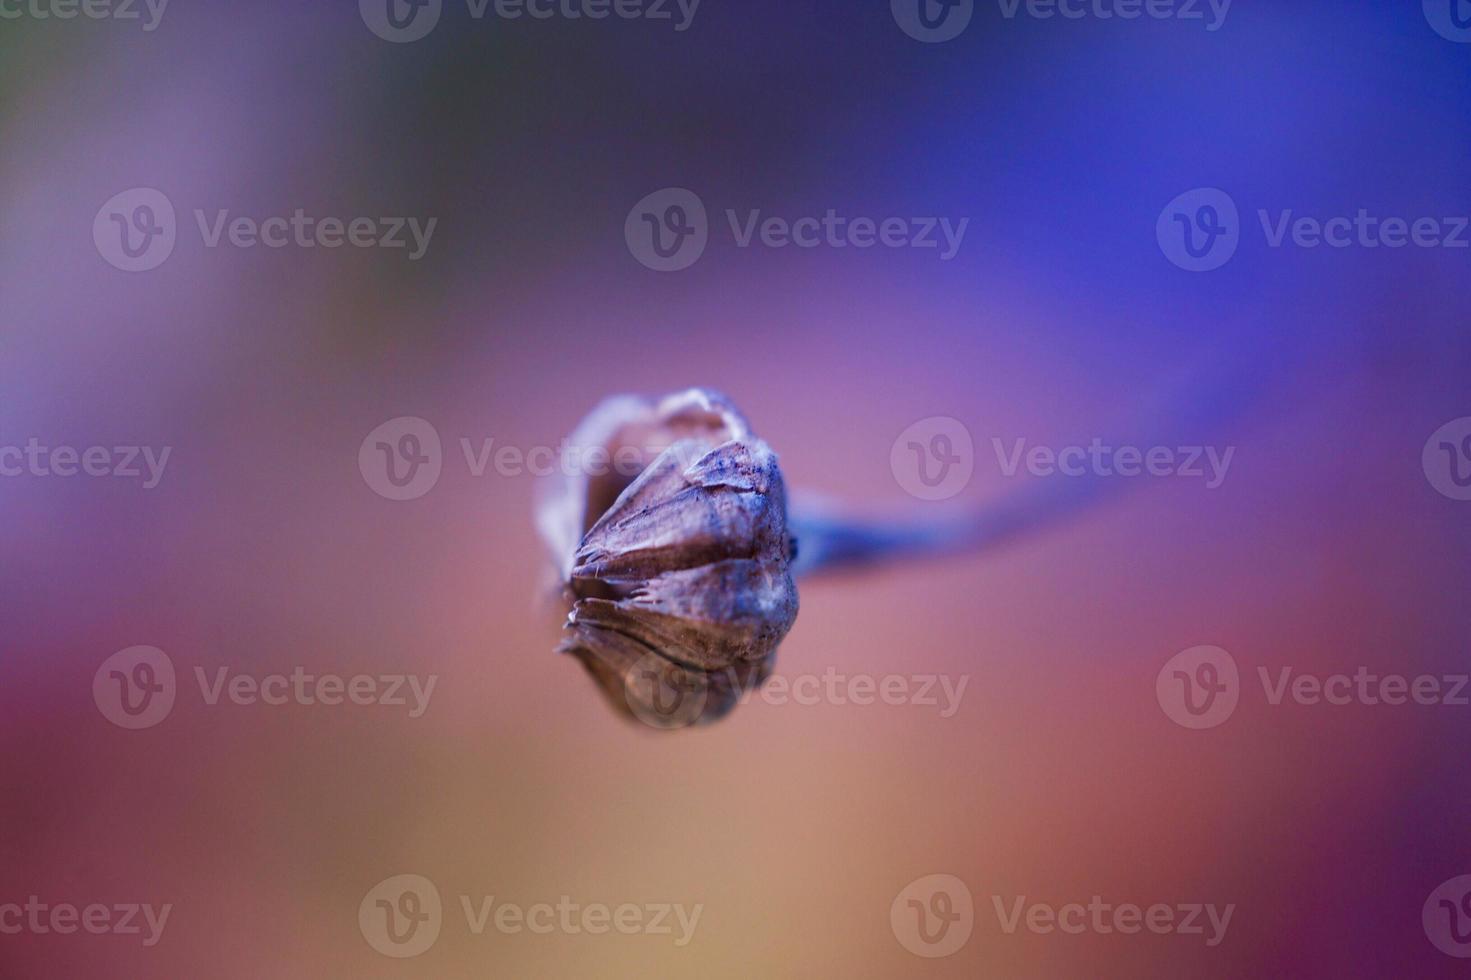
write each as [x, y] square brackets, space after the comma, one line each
[675, 557]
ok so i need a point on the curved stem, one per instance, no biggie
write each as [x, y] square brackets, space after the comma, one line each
[830, 539]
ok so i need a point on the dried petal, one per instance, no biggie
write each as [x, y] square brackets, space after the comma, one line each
[681, 583]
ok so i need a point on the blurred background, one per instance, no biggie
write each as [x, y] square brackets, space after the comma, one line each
[1062, 317]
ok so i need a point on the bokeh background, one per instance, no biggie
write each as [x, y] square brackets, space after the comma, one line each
[795, 826]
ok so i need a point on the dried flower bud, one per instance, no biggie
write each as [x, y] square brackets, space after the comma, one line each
[676, 557]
